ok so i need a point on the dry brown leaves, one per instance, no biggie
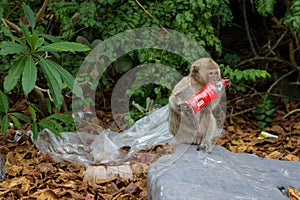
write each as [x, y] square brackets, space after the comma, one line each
[33, 176]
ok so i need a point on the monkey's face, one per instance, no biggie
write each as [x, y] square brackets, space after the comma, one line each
[213, 75]
[205, 70]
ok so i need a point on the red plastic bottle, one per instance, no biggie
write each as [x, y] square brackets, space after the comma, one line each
[207, 94]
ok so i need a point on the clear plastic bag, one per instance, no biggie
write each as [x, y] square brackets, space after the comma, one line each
[87, 149]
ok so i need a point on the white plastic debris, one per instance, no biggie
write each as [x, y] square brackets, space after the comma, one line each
[264, 135]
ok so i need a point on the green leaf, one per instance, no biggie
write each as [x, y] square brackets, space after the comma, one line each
[51, 38]
[4, 124]
[35, 131]
[65, 46]
[260, 106]
[265, 7]
[39, 43]
[29, 15]
[67, 77]
[53, 80]
[66, 118]
[268, 119]
[52, 125]
[260, 117]
[20, 116]
[11, 48]
[32, 113]
[270, 112]
[8, 33]
[25, 31]
[32, 40]
[29, 75]
[16, 122]
[14, 74]
[262, 125]
[4, 104]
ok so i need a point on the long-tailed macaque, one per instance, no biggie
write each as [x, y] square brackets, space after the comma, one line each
[199, 128]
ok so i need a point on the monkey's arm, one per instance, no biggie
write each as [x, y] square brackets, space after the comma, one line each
[174, 104]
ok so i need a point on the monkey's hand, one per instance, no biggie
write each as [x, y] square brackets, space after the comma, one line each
[186, 109]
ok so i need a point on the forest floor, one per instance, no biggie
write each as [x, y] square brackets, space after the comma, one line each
[30, 175]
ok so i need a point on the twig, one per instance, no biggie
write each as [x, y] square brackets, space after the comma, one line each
[144, 9]
[291, 53]
[11, 25]
[247, 28]
[276, 59]
[44, 90]
[241, 112]
[41, 11]
[282, 77]
[290, 113]
[276, 43]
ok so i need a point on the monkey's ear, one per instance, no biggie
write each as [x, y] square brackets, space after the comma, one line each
[195, 69]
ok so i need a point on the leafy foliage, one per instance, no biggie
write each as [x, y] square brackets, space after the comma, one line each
[265, 7]
[292, 17]
[264, 110]
[6, 116]
[32, 51]
[240, 77]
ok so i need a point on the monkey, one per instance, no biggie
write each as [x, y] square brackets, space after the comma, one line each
[199, 128]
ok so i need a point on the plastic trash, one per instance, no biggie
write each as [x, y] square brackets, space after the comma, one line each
[207, 94]
[106, 147]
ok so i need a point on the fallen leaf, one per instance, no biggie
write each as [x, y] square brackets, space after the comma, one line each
[291, 157]
[274, 155]
[293, 193]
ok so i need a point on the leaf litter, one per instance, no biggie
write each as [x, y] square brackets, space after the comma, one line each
[30, 175]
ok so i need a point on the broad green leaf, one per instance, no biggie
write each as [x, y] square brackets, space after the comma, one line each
[25, 31]
[35, 131]
[11, 48]
[29, 75]
[4, 124]
[8, 33]
[4, 104]
[65, 46]
[53, 80]
[39, 43]
[51, 37]
[16, 122]
[67, 77]
[32, 113]
[20, 116]
[14, 74]
[29, 15]
[32, 40]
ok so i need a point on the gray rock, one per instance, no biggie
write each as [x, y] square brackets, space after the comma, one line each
[193, 175]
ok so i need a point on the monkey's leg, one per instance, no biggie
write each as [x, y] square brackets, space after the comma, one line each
[210, 128]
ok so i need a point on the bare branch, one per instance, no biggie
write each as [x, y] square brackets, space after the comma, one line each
[42, 10]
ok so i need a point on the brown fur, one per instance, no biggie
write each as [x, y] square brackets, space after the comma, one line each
[199, 128]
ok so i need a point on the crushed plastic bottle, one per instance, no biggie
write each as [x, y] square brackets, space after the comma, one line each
[207, 94]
